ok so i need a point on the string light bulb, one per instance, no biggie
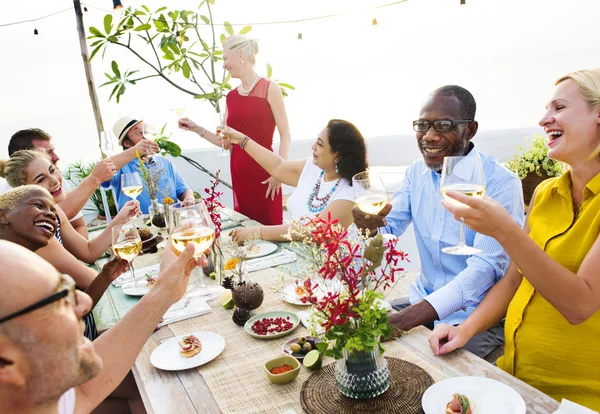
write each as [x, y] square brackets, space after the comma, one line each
[35, 31]
[117, 5]
[374, 21]
[463, 2]
[299, 36]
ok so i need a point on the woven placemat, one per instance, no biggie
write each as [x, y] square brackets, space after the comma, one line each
[409, 381]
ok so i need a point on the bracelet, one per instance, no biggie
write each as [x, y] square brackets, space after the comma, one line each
[261, 235]
[244, 141]
[203, 131]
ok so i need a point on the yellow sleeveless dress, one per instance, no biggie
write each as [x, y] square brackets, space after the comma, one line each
[542, 348]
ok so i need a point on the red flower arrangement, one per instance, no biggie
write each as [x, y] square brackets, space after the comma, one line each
[360, 270]
[213, 203]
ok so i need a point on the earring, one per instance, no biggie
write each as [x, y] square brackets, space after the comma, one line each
[336, 168]
[243, 61]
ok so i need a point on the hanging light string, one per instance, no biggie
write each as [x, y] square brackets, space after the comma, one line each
[37, 18]
[328, 16]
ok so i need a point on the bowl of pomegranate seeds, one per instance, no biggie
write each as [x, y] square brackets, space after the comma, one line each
[272, 324]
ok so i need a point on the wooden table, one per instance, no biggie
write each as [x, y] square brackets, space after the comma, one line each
[187, 392]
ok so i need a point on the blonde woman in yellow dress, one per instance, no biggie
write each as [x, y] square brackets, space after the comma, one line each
[550, 294]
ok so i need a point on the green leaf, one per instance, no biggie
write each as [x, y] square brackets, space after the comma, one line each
[186, 69]
[204, 96]
[228, 28]
[245, 29]
[146, 8]
[95, 51]
[115, 67]
[160, 26]
[161, 9]
[269, 71]
[205, 19]
[169, 56]
[286, 85]
[222, 38]
[139, 13]
[212, 2]
[117, 86]
[322, 347]
[96, 32]
[170, 147]
[108, 23]
[145, 26]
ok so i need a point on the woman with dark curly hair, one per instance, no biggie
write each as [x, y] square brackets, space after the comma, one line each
[323, 184]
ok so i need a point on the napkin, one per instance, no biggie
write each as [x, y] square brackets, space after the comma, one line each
[276, 259]
[183, 310]
[569, 407]
[305, 319]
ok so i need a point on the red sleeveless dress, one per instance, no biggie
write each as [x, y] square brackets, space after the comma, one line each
[252, 116]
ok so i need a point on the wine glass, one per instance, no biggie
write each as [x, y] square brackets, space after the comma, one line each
[192, 224]
[150, 131]
[220, 126]
[370, 195]
[107, 145]
[463, 174]
[131, 185]
[127, 244]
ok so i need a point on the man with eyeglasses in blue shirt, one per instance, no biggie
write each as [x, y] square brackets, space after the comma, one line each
[46, 364]
[449, 287]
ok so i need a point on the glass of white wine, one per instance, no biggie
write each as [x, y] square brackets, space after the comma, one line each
[192, 224]
[463, 174]
[127, 244]
[370, 195]
[131, 185]
[219, 119]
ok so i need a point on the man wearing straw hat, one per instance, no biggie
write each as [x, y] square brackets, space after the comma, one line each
[129, 132]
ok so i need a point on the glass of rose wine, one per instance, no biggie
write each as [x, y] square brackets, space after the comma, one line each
[192, 224]
[370, 195]
[463, 174]
[127, 244]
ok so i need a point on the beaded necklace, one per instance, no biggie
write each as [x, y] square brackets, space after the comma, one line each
[315, 203]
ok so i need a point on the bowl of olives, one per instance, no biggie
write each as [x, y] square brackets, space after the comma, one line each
[299, 347]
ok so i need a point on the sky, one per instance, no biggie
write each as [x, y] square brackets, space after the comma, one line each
[508, 53]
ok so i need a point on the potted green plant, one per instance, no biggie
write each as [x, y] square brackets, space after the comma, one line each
[344, 283]
[533, 166]
[79, 170]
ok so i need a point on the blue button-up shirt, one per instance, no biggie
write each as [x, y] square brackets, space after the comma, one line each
[453, 285]
[170, 184]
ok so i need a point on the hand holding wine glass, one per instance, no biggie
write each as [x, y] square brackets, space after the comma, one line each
[462, 174]
[192, 224]
[220, 129]
[127, 244]
[370, 195]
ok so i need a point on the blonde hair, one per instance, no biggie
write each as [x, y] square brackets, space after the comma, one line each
[241, 43]
[9, 200]
[15, 168]
[588, 83]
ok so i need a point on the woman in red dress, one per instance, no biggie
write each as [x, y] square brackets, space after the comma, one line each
[254, 108]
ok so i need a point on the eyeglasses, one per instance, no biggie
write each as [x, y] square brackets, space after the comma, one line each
[67, 289]
[443, 125]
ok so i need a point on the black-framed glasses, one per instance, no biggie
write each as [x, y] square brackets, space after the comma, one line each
[67, 289]
[442, 125]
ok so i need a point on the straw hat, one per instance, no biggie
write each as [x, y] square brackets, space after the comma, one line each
[122, 127]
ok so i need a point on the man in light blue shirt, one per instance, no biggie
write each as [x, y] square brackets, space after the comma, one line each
[170, 184]
[449, 287]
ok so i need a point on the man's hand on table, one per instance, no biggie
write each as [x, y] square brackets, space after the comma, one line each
[414, 315]
[371, 222]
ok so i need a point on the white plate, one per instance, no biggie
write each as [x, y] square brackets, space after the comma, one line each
[288, 294]
[138, 290]
[168, 358]
[264, 248]
[487, 396]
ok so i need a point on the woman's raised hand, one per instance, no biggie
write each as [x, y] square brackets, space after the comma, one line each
[232, 136]
[187, 123]
[129, 209]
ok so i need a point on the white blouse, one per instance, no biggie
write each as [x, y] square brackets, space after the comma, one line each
[298, 202]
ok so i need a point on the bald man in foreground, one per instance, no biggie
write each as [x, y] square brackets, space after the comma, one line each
[46, 364]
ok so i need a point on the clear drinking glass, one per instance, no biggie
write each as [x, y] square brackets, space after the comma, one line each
[150, 131]
[131, 185]
[127, 244]
[192, 224]
[219, 120]
[108, 143]
[464, 175]
[370, 195]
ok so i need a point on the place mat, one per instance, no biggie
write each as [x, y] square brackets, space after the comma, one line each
[320, 394]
